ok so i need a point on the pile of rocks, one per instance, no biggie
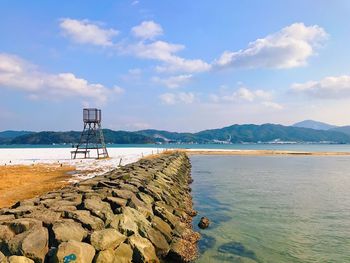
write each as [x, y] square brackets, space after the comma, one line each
[139, 213]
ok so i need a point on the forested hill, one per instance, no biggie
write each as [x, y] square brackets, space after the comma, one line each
[247, 133]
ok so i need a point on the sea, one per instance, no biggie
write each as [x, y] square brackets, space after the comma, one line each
[273, 208]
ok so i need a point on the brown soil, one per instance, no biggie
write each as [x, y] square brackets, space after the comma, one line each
[19, 182]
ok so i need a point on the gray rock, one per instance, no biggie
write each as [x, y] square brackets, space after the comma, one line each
[143, 250]
[145, 198]
[125, 194]
[204, 223]
[6, 218]
[78, 252]
[158, 240]
[3, 258]
[45, 215]
[123, 253]
[66, 230]
[140, 206]
[163, 227]
[129, 187]
[35, 244]
[20, 259]
[105, 256]
[84, 217]
[182, 251]
[22, 210]
[166, 216]
[64, 208]
[99, 208]
[116, 202]
[106, 239]
[5, 233]
[125, 223]
[23, 224]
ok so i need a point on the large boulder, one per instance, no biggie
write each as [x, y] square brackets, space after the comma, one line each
[123, 253]
[143, 250]
[20, 259]
[106, 239]
[66, 230]
[3, 258]
[23, 224]
[116, 202]
[47, 216]
[105, 256]
[5, 234]
[74, 251]
[89, 221]
[35, 244]
[124, 194]
[6, 217]
[99, 208]
[126, 222]
[143, 208]
[163, 227]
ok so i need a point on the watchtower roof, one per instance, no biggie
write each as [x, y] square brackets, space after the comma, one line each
[92, 115]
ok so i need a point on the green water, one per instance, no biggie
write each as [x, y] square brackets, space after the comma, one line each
[273, 209]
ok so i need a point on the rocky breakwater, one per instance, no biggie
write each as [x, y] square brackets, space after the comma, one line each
[141, 212]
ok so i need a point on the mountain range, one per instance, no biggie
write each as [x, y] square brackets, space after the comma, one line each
[303, 132]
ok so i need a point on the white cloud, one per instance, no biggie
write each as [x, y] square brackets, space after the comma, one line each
[242, 94]
[291, 47]
[147, 30]
[16, 73]
[118, 90]
[165, 52]
[86, 32]
[175, 98]
[272, 105]
[168, 98]
[173, 81]
[326, 88]
[245, 96]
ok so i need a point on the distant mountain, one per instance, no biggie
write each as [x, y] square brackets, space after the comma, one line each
[13, 134]
[172, 137]
[247, 133]
[343, 129]
[120, 137]
[316, 125]
[271, 133]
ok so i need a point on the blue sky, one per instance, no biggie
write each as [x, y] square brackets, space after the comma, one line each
[173, 65]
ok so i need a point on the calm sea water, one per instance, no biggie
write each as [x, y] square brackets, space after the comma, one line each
[286, 147]
[273, 209]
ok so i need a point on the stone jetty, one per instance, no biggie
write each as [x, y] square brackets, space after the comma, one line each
[141, 212]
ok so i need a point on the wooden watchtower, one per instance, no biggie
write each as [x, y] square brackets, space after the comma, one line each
[91, 137]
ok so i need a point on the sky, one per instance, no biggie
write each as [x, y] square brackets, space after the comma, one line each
[173, 65]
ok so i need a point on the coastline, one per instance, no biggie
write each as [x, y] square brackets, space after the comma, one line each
[260, 152]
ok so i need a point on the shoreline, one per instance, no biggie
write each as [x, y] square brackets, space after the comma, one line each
[260, 152]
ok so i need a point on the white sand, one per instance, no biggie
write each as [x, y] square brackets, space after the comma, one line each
[86, 168]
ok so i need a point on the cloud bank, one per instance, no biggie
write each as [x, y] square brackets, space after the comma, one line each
[18, 74]
[288, 48]
[326, 88]
[86, 32]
